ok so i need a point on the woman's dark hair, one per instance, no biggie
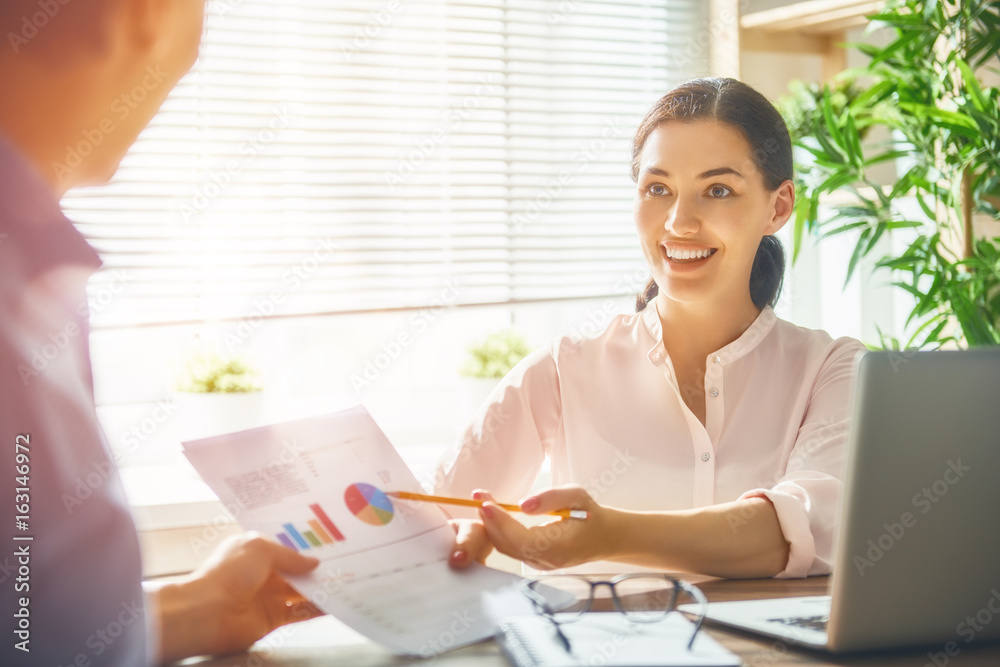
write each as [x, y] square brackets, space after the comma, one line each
[740, 106]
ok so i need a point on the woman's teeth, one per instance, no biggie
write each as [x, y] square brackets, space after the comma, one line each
[688, 254]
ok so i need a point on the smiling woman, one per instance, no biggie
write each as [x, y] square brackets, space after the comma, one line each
[738, 110]
[702, 434]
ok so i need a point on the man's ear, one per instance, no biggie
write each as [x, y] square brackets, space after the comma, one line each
[144, 21]
[165, 33]
[784, 205]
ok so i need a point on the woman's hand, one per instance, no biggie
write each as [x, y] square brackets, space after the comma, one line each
[471, 543]
[736, 539]
[234, 599]
[556, 544]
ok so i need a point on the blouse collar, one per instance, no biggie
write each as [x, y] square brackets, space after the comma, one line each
[747, 341]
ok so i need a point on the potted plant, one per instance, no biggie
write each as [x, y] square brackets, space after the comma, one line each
[487, 361]
[217, 393]
[945, 126]
[804, 102]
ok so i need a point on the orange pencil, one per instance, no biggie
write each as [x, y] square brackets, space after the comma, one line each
[465, 502]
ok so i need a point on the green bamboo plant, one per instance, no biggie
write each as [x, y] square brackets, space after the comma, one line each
[944, 123]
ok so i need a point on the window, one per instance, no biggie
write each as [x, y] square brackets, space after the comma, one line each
[329, 157]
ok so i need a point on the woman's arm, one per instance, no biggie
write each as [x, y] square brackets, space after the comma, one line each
[505, 444]
[739, 539]
[503, 448]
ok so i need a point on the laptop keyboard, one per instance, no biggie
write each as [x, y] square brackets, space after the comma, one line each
[810, 622]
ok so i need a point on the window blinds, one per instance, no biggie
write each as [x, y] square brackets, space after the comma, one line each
[332, 156]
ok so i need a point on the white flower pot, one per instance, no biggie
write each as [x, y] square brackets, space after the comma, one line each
[473, 393]
[202, 415]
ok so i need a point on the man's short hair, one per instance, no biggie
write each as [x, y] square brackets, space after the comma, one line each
[38, 26]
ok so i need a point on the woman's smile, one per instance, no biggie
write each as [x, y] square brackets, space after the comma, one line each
[686, 256]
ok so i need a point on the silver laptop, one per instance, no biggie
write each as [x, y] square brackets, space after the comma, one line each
[918, 558]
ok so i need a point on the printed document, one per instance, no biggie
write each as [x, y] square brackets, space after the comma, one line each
[318, 485]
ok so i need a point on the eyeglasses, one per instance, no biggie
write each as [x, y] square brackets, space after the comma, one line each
[642, 598]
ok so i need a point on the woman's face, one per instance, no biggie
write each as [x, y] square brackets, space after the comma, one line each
[701, 209]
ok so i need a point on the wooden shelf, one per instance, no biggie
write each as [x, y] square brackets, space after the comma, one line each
[814, 17]
[812, 27]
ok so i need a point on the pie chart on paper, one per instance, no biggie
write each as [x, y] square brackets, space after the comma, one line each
[369, 504]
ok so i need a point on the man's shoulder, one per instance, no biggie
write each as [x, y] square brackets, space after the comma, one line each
[34, 233]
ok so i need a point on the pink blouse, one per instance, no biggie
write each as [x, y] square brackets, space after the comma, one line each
[607, 411]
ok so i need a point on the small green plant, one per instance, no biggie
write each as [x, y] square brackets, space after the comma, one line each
[495, 355]
[207, 371]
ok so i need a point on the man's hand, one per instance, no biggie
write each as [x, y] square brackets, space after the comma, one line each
[236, 597]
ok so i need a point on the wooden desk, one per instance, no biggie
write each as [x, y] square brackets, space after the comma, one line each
[325, 641]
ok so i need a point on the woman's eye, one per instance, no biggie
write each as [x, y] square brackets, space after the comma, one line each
[719, 191]
[657, 190]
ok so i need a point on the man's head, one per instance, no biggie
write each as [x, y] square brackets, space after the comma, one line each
[81, 78]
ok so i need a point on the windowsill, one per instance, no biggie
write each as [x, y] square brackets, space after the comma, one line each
[167, 496]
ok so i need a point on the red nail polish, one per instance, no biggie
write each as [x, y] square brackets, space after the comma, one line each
[459, 556]
[487, 511]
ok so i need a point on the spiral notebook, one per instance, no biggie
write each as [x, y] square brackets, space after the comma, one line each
[611, 640]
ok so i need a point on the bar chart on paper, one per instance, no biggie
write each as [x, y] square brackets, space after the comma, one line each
[322, 531]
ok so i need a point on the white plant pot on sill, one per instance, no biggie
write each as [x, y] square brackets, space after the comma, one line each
[473, 393]
[202, 414]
